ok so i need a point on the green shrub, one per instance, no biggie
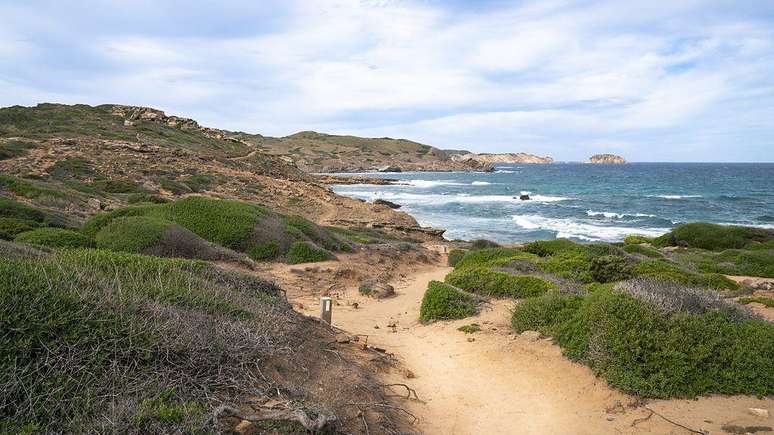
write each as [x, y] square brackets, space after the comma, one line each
[117, 186]
[713, 237]
[444, 302]
[609, 268]
[264, 251]
[643, 250]
[135, 198]
[470, 329]
[131, 233]
[29, 189]
[92, 226]
[663, 270]
[455, 255]
[105, 334]
[10, 227]
[9, 150]
[304, 252]
[497, 284]
[636, 240]
[492, 257]
[544, 313]
[545, 248]
[479, 244]
[738, 262]
[225, 222]
[643, 351]
[570, 264]
[54, 238]
[14, 209]
[174, 186]
[763, 300]
[199, 182]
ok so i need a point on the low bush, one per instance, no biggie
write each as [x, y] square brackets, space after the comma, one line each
[54, 238]
[444, 302]
[663, 270]
[643, 350]
[264, 251]
[305, 252]
[123, 343]
[199, 182]
[609, 268]
[497, 284]
[117, 186]
[10, 227]
[455, 255]
[643, 250]
[478, 244]
[136, 198]
[131, 233]
[763, 300]
[713, 237]
[636, 240]
[11, 149]
[738, 262]
[14, 209]
[545, 248]
[470, 329]
[492, 257]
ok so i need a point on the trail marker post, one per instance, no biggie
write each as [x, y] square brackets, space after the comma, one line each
[326, 309]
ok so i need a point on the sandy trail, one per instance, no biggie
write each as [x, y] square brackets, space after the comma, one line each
[503, 383]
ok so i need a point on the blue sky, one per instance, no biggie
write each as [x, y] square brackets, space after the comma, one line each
[678, 80]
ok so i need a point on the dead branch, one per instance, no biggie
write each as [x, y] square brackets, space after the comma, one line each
[385, 405]
[642, 419]
[298, 415]
[411, 394]
[700, 432]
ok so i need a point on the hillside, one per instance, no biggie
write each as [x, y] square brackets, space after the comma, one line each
[78, 160]
[489, 159]
[317, 152]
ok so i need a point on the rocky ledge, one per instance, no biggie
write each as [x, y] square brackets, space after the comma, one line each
[488, 159]
[606, 159]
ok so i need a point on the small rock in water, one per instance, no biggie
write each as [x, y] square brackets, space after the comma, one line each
[524, 197]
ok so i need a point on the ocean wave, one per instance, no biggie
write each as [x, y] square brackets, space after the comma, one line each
[480, 183]
[611, 215]
[505, 171]
[426, 184]
[578, 229]
[403, 197]
[674, 196]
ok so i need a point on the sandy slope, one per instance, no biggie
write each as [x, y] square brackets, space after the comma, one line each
[505, 383]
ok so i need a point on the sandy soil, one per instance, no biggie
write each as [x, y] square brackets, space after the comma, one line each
[495, 381]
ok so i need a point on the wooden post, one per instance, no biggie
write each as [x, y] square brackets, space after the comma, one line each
[326, 309]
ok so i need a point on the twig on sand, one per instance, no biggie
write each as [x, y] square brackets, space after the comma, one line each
[385, 405]
[642, 419]
[700, 432]
[297, 415]
[411, 394]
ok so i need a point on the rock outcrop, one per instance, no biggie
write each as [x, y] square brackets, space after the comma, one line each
[489, 159]
[606, 159]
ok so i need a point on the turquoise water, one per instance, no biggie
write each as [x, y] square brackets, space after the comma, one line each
[579, 201]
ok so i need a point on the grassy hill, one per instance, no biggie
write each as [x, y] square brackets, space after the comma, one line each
[318, 152]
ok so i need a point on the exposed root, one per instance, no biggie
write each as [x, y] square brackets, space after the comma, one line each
[700, 432]
[411, 394]
[298, 415]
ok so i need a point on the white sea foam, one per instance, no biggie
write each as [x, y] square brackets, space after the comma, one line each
[505, 171]
[403, 197]
[584, 230]
[611, 215]
[426, 184]
[674, 196]
[480, 183]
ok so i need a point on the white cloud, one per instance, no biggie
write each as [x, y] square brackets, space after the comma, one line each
[559, 76]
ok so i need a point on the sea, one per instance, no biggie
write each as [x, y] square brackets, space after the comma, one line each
[585, 202]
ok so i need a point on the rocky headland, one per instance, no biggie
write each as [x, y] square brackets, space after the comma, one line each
[490, 159]
[606, 159]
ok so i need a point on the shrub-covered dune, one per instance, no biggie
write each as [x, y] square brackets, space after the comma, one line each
[238, 226]
[658, 338]
[95, 341]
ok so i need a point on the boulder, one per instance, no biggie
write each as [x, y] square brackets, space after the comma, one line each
[389, 168]
[387, 203]
[375, 289]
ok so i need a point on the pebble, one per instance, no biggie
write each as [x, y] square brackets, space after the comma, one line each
[759, 412]
[471, 339]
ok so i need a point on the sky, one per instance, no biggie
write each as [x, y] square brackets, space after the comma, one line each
[676, 80]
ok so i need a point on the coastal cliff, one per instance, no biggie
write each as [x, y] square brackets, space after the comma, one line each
[606, 159]
[486, 158]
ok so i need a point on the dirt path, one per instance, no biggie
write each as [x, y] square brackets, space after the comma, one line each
[506, 383]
